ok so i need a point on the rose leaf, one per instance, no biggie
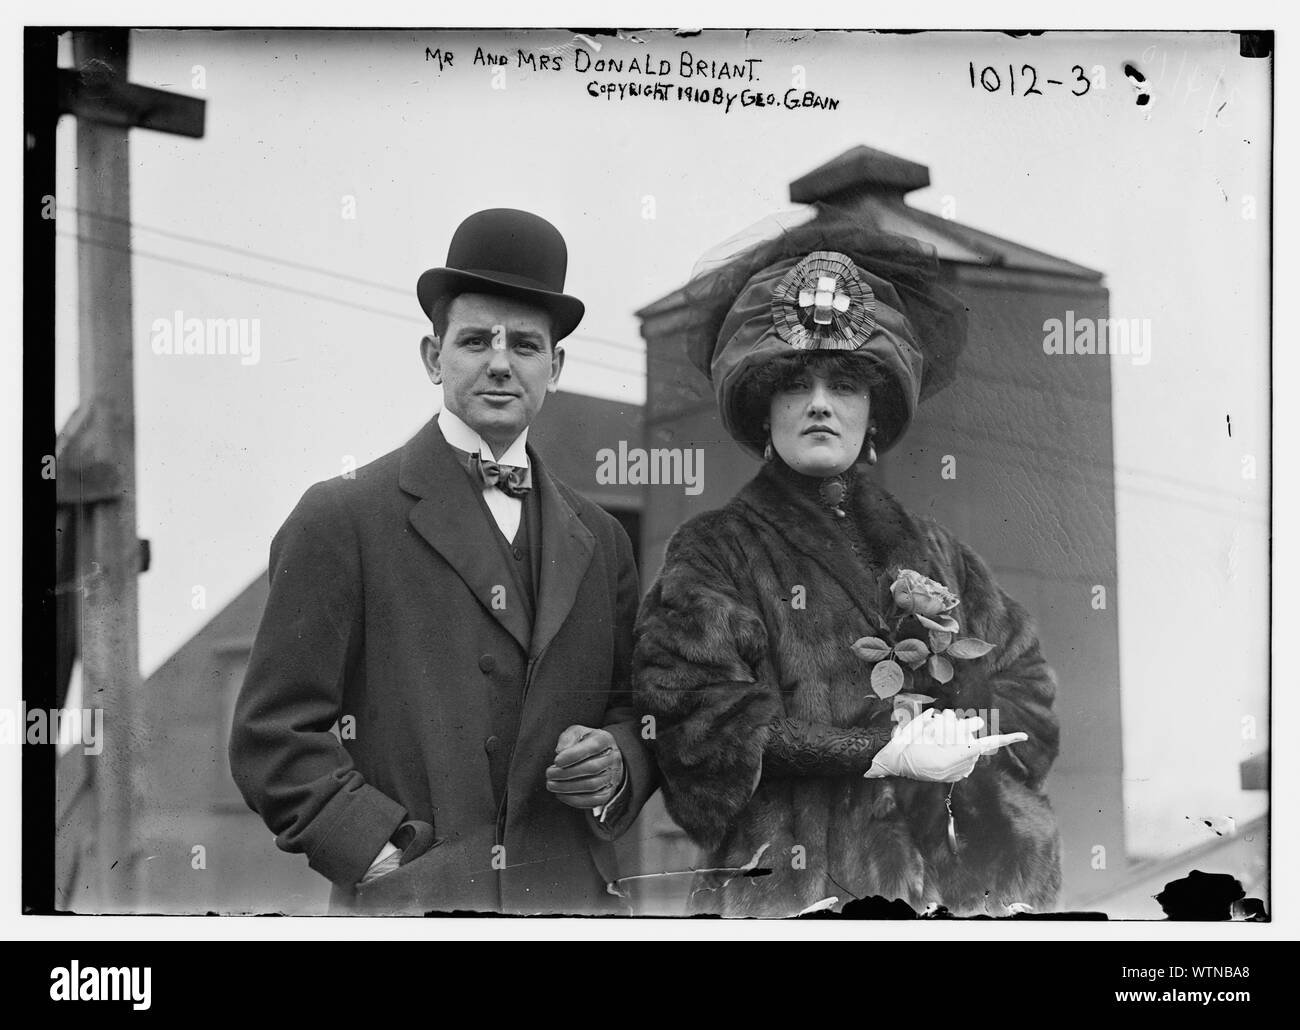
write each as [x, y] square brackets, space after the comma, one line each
[887, 679]
[870, 649]
[940, 668]
[912, 651]
[969, 647]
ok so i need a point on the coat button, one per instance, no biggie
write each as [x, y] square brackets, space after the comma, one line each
[492, 744]
[518, 553]
[487, 663]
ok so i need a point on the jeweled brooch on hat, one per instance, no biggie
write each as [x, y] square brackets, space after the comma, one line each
[822, 304]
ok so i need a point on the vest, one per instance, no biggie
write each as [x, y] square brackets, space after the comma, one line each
[520, 564]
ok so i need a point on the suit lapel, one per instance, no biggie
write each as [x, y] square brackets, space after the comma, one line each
[567, 549]
[449, 517]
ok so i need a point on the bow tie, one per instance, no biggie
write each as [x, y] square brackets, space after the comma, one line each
[511, 480]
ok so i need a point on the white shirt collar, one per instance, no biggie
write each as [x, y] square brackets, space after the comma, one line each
[460, 436]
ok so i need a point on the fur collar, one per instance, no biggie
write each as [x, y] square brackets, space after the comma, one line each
[888, 538]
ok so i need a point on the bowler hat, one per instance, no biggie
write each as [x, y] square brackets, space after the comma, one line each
[507, 253]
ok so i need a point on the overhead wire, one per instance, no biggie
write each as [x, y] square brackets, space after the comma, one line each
[253, 280]
[302, 266]
[1216, 493]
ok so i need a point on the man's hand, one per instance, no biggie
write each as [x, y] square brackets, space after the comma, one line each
[588, 767]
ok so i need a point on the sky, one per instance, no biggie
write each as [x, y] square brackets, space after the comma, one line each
[335, 167]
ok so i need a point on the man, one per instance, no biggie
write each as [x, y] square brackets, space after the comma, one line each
[437, 708]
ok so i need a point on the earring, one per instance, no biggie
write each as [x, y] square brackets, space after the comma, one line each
[767, 450]
[871, 445]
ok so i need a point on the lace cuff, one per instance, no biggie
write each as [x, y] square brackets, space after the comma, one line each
[796, 747]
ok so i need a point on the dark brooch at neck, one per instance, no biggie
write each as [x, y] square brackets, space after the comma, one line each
[831, 492]
[834, 491]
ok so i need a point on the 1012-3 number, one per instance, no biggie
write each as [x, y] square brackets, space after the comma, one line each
[991, 79]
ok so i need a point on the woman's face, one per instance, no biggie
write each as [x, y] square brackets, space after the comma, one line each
[819, 421]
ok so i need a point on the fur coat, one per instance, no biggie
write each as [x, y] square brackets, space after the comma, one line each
[724, 648]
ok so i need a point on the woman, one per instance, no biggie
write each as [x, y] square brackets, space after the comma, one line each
[791, 632]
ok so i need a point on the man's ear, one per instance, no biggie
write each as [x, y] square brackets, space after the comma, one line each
[557, 365]
[431, 355]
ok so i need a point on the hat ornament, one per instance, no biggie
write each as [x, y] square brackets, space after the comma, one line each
[823, 304]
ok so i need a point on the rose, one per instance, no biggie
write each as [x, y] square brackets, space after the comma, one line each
[921, 596]
[930, 602]
[927, 600]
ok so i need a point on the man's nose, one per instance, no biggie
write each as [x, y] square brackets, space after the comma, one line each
[499, 362]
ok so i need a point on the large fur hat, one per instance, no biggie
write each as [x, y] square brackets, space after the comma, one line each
[832, 284]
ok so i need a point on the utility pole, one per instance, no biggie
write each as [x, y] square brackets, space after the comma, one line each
[96, 472]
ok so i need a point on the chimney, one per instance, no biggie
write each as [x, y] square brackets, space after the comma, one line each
[859, 174]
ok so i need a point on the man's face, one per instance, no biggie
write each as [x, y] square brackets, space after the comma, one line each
[495, 363]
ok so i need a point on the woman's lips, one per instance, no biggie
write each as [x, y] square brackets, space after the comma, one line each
[819, 429]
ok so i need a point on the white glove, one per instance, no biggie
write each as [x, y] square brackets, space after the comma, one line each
[937, 748]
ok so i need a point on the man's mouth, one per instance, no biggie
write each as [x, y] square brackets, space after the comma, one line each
[819, 428]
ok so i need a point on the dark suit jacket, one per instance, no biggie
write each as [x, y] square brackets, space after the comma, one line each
[381, 617]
